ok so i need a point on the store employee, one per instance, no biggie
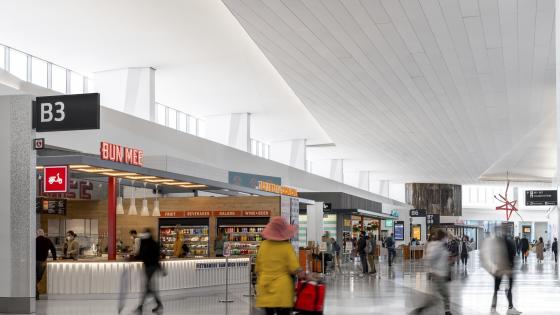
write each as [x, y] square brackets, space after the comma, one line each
[71, 246]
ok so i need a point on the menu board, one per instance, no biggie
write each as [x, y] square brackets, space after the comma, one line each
[399, 230]
[50, 206]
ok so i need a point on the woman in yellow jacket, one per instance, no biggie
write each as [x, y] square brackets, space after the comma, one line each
[275, 266]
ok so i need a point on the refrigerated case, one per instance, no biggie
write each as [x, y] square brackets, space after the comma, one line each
[195, 233]
[243, 234]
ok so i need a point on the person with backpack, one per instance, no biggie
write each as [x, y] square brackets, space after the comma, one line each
[391, 252]
[149, 254]
[370, 250]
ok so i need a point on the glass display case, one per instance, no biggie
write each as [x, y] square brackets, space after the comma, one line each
[195, 234]
[243, 239]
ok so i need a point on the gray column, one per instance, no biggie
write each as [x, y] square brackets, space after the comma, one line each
[17, 213]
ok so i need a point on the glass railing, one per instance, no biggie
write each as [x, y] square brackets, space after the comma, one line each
[42, 73]
[175, 119]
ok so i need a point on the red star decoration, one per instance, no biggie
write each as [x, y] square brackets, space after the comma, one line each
[508, 206]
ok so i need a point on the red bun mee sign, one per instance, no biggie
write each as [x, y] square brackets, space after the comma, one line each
[121, 154]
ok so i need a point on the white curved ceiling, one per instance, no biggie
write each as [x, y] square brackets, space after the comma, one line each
[420, 90]
[205, 62]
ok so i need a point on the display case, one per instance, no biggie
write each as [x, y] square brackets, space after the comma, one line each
[243, 234]
[244, 240]
[195, 236]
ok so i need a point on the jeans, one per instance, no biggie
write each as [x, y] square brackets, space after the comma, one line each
[277, 311]
[363, 259]
[464, 259]
[150, 271]
[497, 282]
[391, 252]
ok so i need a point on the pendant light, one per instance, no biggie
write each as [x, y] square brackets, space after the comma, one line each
[120, 208]
[132, 209]
[156, 212]
[145, 212]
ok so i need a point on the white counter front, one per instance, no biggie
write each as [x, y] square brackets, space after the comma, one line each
[80, 278]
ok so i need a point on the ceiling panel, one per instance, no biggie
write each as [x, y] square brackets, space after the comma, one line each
[414, 90]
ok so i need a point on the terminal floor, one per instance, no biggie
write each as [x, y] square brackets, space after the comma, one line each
[395, 290]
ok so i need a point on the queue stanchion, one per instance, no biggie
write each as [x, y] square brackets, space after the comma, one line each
[227, 253]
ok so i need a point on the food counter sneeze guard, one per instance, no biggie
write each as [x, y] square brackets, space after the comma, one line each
[101, 278]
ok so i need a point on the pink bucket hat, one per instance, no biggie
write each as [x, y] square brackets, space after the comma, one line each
[279, 230]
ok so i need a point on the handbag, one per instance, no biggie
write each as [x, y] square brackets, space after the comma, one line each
[310, 297]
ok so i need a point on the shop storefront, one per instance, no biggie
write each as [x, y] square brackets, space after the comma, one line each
[106, 197]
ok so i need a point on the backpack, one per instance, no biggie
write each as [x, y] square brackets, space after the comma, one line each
[453, 248]
[389, 243]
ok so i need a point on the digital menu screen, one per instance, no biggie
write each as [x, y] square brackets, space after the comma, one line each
[399, 230]
[51, 206]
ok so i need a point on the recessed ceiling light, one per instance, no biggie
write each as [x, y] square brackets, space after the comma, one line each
[141, 177]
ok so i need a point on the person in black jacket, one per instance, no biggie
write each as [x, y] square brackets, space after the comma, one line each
[508, 267]
[149, 255]
[555, 249]
[362, 245]
[42, 247]
[525, 248]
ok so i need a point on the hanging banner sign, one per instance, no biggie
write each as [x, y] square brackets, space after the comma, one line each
[55, 179]
[66, 112]
[120, 154]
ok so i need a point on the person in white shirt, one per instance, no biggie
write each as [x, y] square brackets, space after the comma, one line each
[437, 258]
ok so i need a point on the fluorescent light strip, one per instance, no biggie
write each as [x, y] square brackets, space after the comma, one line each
[159, 180]
[141, 177]
[193, 186]
[120, 174]
[95, 170]
[79, 166]
[178, 183]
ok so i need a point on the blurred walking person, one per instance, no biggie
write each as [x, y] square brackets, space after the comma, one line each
[498, 257]
[370, 251]
[275, 266]
[555, 249]
[525, 248]
[465, 246]
[390, 244]
[539, 249]
[362, 248]
[42, 247]
[437, 257]
[149, 255]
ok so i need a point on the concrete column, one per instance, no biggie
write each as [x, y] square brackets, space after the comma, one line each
[233, 130]
[17, 214]
[129, 90]
[555, 215]
[292, 152]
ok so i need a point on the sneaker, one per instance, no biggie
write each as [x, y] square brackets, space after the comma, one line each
[513, 311]
[448, 313]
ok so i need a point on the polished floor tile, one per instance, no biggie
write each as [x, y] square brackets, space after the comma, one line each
[395, 290]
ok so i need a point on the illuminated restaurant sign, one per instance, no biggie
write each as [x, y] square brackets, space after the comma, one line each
[120, 154]
[277, 189]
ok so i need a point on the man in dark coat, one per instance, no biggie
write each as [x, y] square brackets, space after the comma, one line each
[42, 247]
[525, 248]
[149, 255]
[362, 245]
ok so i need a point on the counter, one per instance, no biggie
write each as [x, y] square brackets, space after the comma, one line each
[104, 277]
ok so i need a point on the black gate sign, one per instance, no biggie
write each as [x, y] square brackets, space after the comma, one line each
[418, 212]
[541, 197]
[66, 112]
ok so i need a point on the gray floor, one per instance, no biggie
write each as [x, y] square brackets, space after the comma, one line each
[392, 291]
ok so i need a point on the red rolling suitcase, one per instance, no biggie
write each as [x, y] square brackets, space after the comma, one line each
[310, 297]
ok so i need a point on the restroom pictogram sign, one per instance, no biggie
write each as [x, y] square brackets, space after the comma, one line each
[55, 179]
